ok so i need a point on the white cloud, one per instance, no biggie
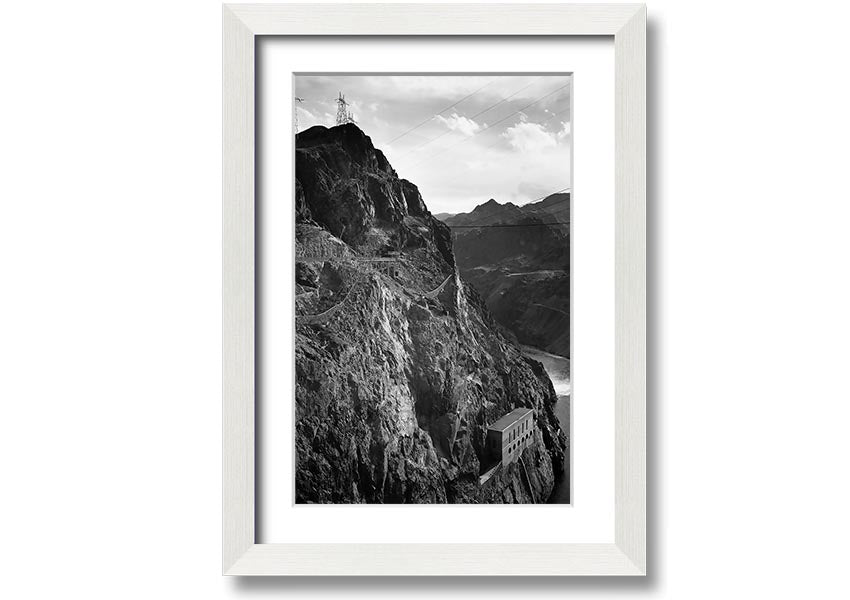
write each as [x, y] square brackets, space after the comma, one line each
[529, 137]
[460, 124]
[566, 131]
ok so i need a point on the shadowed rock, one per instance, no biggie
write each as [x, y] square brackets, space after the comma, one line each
[395, 389]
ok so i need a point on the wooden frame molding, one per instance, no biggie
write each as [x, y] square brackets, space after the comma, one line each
[241, 23]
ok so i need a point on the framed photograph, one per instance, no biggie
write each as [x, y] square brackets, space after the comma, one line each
[434, 289]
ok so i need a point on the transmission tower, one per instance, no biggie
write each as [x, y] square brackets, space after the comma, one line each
[343, 115]
[298, 101]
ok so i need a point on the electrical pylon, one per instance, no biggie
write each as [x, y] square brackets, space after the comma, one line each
[343, 115]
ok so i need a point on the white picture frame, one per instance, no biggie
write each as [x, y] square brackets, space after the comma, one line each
[241, 23]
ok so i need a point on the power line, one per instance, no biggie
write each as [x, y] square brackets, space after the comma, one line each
[489, 108]
[488, 127]
[546, 120]
[544, 197]
[439, 113]
[492, 125]
[541, 122]
[505, 99]
[549, 206]
[508, 225]
[492, 106]
[547, 195]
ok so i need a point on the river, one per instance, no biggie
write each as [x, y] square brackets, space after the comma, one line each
[558, 369]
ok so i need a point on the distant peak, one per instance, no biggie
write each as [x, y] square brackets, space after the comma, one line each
[488, 206]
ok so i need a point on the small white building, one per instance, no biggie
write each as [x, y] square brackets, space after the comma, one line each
[510, 435]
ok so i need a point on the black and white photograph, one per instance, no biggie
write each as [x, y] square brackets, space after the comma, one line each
[432, 288]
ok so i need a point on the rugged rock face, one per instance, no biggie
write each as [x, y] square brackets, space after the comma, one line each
[399, 365]
[518, 259]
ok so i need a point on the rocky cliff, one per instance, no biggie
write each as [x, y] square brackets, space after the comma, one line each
[400, 367]
[518, 259]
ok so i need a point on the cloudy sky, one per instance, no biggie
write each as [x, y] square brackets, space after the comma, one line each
[462, 139]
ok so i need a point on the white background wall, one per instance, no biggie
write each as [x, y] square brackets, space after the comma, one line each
[110, 320]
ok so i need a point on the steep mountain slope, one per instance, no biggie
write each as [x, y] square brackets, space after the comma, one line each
[518, 259]
[553, 208]
[399, 364]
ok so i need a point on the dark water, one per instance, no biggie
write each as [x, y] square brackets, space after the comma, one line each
[558, 369]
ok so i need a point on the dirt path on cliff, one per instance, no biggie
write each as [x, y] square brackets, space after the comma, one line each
[540, 272]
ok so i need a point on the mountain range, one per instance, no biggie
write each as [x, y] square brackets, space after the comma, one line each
[518, 259]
